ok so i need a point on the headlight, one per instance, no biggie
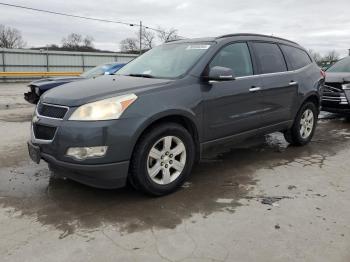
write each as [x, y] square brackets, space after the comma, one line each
[346, 86]
[106, 109]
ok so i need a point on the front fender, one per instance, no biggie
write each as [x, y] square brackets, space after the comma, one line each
[183, 113]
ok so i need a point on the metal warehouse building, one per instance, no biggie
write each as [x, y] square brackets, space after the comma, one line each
[24, 60]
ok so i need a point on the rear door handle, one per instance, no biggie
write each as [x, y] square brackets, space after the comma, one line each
[255, 89]
[293, 83]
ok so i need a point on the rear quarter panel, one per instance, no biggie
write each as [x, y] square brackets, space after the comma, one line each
[310, 83]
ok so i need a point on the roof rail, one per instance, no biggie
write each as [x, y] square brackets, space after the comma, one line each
[248, 34]
[174, 40]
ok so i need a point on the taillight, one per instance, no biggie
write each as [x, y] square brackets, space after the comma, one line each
[323, 74]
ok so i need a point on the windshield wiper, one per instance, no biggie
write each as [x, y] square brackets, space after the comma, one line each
[141, 75]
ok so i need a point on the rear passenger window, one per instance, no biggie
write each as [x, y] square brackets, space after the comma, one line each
[296, 58]
[235, 56]
[269, 58]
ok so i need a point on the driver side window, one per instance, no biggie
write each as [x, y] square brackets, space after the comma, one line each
[235, 56]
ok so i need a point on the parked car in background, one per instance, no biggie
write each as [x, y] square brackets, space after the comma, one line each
[336, 93]
[38, 87]
[151, 121]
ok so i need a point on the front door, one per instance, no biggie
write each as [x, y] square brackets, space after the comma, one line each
[232, 107]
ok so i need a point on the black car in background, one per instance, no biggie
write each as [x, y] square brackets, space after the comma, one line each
[336, 93]
[38, 87]
[151, 121]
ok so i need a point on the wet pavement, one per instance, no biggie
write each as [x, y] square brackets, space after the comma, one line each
[259, 201]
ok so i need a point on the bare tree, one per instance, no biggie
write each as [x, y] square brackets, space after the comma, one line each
[316, 56]
[165, 35]
[331, 56]
[147, 37]
[128, 45]
[78, 42]
[88, 42]
[10, 37]
[73, 41]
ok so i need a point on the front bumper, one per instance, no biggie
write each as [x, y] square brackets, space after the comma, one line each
[106, 176]
[109, 171]
[337, 110]
[31, 96]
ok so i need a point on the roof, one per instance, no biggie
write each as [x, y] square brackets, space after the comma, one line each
[210, 39]
[256, 35]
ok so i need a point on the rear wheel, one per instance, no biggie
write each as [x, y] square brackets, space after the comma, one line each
[163, 159]
[304, 125]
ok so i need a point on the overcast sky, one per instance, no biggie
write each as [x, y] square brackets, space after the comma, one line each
[316, 24]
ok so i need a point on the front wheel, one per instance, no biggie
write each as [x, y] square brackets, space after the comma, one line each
[304, 125]
[162, 159]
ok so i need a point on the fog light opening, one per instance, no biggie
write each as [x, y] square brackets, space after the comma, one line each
[82, 153]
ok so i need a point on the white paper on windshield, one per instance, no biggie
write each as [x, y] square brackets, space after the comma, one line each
[191, 47]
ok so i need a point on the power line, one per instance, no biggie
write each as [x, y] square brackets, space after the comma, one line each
[88, 18]
[78, 16]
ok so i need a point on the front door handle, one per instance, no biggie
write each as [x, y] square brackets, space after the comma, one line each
[293, 83]
[255, 89]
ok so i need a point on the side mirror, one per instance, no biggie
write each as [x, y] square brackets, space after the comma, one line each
[219, 73]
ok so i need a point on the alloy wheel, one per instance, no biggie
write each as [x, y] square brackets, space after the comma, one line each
[307, 123]
[166, 160]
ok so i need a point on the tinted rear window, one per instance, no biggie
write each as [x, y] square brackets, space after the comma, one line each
[296, 58]
[269, 58]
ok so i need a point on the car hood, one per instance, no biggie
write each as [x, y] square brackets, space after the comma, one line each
[54, 80]
[89, 90]
[337, 77]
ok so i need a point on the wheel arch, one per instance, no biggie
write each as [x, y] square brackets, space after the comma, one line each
[312, 97]
[181, 117]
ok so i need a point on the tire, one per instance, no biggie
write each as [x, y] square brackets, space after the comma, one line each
[156, 168]
[132, 184]
[295, 135]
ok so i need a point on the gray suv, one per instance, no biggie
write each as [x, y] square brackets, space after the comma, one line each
[149, 123]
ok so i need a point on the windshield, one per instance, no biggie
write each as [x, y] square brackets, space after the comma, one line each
[96, 71]
[342, 66]
[166, 61]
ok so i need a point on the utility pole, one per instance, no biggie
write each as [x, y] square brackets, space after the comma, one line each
[140, 37]
[47, 58]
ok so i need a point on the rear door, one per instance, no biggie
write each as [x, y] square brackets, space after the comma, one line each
[232, 107]
[305, 73]
[279, 88]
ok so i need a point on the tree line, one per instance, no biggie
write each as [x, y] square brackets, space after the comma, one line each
[12, 38]
[149, 39]
[331, 56]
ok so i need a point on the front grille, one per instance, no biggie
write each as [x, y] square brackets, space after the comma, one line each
[333, 87]
[333, 97]
[52, 111]
[44, 132]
